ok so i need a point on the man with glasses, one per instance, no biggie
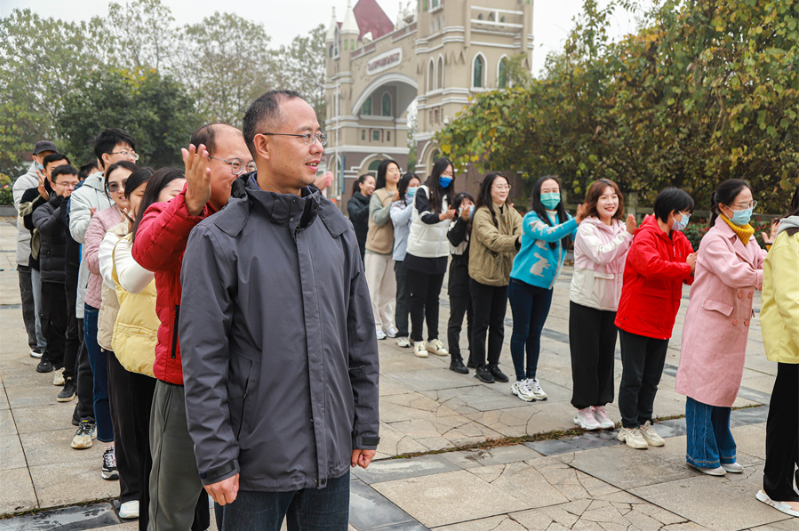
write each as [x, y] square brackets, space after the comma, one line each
[49, 222]
[175, 488]
[281, 353]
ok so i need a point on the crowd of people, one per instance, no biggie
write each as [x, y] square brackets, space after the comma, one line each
[219, 324]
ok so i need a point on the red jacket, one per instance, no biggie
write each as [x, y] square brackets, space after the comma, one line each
[655, 272]
[159, 246]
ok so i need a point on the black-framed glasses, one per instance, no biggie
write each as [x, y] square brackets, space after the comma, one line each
[308, 138]
[127, 154]
[237, 165]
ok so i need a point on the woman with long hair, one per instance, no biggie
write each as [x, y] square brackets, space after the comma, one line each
[601, 246]
[380, 244]
[426, 255]
[401, 219]
[458, 282]
[729, 270]
[780, 315]
[358, 208]
[496, 236]
[546, 232]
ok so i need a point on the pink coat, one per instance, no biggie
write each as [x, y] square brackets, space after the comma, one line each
[600, 252]
[101, 222]
[718, 319]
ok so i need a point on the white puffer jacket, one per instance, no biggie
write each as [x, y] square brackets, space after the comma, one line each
[424, 240]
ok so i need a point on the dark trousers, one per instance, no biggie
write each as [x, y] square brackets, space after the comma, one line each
[310, 509]
[99, 363]
[28, 308]
[530, 306]
[53, 315]
[403, 306]
[424, 291]
[592, 339]
[642, 364]
[84, 409]
[72, 343]
[489, 305]
[780, 467]
[460, 304]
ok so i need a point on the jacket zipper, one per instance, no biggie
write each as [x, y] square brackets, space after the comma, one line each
[244, 398]
[175, 332]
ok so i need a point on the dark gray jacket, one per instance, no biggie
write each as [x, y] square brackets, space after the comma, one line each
[280, 356]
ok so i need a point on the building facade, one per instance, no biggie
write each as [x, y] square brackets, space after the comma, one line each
[438, 53]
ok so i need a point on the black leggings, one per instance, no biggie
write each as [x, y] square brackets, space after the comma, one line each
[425, 291]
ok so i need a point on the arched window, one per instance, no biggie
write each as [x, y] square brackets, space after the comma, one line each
[366, 109]
[386, 104]
[478, 67]
[436, 116]
[490, 18]
[430, 76]
[502, 73]
[480, 16]
[440, 78]
[373, 168]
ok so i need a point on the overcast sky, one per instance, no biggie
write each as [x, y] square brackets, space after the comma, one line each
[284, 19]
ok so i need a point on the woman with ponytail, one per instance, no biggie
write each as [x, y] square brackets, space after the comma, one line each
[729, 269]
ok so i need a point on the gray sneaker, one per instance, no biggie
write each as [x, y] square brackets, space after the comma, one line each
[83, 437]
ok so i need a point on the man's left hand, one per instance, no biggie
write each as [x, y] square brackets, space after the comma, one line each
[362, 458]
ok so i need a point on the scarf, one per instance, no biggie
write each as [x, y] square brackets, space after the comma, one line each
[744, 232]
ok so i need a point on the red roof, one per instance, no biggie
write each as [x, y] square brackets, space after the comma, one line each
[370, 17]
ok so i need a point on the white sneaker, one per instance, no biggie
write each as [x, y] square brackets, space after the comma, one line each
[719, 471]
[129, 510]
[537, 390]
[521, 389]
[733, 468]
[419, 349]
[36, 354]
[435, 346]
[391, 332]
[602, 418]
[585, 419]
[58, 377]
[783, 507]
[632, 437]
[403, 342]
[650, 435]
[381, 334]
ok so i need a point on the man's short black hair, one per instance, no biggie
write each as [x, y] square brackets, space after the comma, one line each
[86, 169]
[64, 169]
[108, 139]
[53, 157]
[671, 200]
[264, 114]
[207, 135]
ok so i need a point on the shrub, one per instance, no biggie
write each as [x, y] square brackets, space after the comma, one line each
[6, 197]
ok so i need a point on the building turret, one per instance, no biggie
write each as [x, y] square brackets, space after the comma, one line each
[331, 35]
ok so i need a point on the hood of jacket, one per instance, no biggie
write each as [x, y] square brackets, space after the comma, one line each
[788, 223]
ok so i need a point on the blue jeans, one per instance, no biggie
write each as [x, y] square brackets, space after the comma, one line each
[310, 509]
[529, 307]
[709, 440]
[99, 363]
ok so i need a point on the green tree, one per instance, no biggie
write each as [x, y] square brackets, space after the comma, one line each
[139, 34]
[154, 109]
[301, 67]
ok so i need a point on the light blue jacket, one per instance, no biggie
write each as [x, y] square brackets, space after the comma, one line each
[401, 218]
[536, 263]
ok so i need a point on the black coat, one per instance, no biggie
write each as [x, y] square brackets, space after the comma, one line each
[358, 210]
[49, 221]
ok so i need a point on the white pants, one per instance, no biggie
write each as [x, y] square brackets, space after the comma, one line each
[382, 284]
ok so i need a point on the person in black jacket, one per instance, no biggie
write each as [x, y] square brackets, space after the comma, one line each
[49, 221]
[358, 208]
[458, 283]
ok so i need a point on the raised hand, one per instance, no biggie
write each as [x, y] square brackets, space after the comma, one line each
[198, 178]
[630, 224]
[448, 214]
[580, 213]
[41, 187]
[773, 233]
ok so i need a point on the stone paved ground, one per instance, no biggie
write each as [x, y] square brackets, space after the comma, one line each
[584, 482]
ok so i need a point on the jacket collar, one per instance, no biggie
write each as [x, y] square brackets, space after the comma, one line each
[651, 225]
[96, 181]
[738, 247]
[615, 223]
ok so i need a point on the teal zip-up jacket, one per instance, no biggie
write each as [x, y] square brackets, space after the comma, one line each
[536, 263]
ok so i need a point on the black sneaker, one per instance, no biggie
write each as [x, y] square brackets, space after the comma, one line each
[497, 373]
[68, 393]
[44, 366]
[482, 373]
[457, 365]
[109, 470]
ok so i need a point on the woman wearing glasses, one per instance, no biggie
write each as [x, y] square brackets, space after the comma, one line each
[728, 271]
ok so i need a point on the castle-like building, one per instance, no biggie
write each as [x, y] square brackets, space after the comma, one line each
[438, 52]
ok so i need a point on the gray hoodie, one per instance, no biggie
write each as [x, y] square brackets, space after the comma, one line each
[788, 223]
[280, 356]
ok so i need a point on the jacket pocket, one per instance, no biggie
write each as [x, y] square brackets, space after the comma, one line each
[175, 331]
[237, 394]
[717, 306]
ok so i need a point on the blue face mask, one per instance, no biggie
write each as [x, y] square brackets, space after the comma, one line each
[550, 200]
[742, 217]
[445, 181]
[471, 210]
[680, 225]
[410, 192]
[39, 166]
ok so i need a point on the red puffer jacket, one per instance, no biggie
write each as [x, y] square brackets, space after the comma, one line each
[655, 272]
[159, 246]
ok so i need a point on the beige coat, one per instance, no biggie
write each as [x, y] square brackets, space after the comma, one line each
[380, 237]
[492, 249]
